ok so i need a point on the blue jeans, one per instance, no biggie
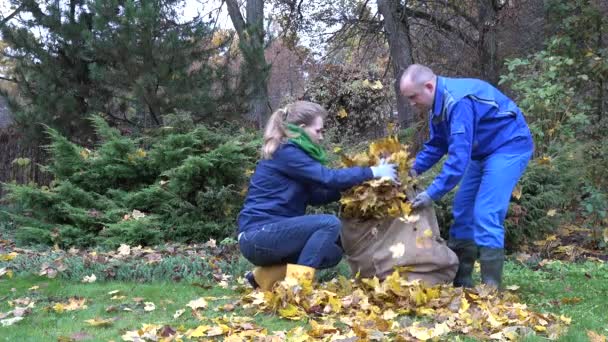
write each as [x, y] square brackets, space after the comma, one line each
[309, 240]
[481, 203]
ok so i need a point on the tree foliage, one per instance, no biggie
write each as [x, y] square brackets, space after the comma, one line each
[175, 185]
[132, 60]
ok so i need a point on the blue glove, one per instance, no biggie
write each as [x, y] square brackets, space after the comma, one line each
[385, 170]
[422, 200]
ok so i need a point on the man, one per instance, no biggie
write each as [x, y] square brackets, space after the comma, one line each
[488, 144]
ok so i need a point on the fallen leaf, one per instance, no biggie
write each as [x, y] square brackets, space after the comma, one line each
[199, 303]
[178, 313]
[10, 321]
[595, 337]
[149, 306]
[124, 250]
[89, 279]
[100, 322]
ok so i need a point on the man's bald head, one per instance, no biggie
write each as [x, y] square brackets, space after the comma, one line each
[417, 84]
[417, 74]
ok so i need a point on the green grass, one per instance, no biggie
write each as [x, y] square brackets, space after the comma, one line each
[557, 286]
[47, 325]
[544, 290]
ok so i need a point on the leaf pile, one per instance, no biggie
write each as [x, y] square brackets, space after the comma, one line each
[373, 310]
[379, 198]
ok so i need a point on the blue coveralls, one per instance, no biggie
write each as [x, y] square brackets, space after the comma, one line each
[488, 144]
[273, 227]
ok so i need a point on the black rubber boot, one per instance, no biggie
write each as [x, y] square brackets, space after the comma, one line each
[491, 260]
[466, 250]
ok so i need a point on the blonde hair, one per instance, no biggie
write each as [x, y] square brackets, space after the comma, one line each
[297, 113]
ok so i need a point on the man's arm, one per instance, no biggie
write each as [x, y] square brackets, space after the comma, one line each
[459, 150]
[431, 153]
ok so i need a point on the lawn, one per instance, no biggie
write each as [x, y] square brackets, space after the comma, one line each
[578, 291]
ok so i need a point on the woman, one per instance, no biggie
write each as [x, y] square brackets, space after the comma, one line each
[273, 228]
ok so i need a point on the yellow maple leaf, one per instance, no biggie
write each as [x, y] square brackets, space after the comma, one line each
[100, 322]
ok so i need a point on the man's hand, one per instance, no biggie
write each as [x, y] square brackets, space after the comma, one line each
[422, 200]
[412, 173]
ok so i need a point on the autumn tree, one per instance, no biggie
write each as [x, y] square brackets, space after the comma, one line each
[130, 60]
[255, 69]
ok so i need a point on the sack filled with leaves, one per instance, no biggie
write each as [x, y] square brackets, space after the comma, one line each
[381, 232]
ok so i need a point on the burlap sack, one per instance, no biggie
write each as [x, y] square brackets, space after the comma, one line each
[375, 247]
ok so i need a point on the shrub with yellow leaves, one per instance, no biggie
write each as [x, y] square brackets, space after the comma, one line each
[379, 198]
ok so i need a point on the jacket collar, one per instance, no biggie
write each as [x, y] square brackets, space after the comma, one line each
[438, 100]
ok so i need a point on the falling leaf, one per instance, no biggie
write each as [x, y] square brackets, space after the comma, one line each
[89, 279]
[199, 303]
[34, 288]
[428, 233]
[342, 113]
[512, 287]
[551, 212]
[149, 306]
[114, 292]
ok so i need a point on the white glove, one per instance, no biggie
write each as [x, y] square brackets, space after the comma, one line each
[385, 170]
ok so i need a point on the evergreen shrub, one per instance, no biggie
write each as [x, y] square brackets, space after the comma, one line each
[174, 184]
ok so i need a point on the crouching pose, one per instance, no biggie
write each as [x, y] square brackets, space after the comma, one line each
[274, 232]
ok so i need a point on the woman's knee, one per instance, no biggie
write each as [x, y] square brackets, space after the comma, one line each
[331, 222]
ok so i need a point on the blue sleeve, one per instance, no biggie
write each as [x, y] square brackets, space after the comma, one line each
[433, 150]
[296, 164]
[459, 149]
[320, 196]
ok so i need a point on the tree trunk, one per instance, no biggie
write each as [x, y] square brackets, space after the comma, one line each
[400, 47]
[488, 42]
[255, 69]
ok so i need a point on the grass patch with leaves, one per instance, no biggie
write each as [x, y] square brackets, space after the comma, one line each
[577, 291]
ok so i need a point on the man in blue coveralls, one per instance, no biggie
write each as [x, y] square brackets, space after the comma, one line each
[488, 144]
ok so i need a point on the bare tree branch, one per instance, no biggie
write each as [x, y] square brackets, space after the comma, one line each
[10, 16]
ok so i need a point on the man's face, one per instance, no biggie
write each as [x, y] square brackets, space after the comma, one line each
[419, 96]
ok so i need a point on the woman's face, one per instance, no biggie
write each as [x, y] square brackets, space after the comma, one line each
[314, 130]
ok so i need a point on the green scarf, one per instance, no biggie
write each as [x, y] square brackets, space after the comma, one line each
[303, 140]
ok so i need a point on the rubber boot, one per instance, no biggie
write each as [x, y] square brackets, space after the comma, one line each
[302, 274]
[491, 260]
[265, 277]
[466, 250]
